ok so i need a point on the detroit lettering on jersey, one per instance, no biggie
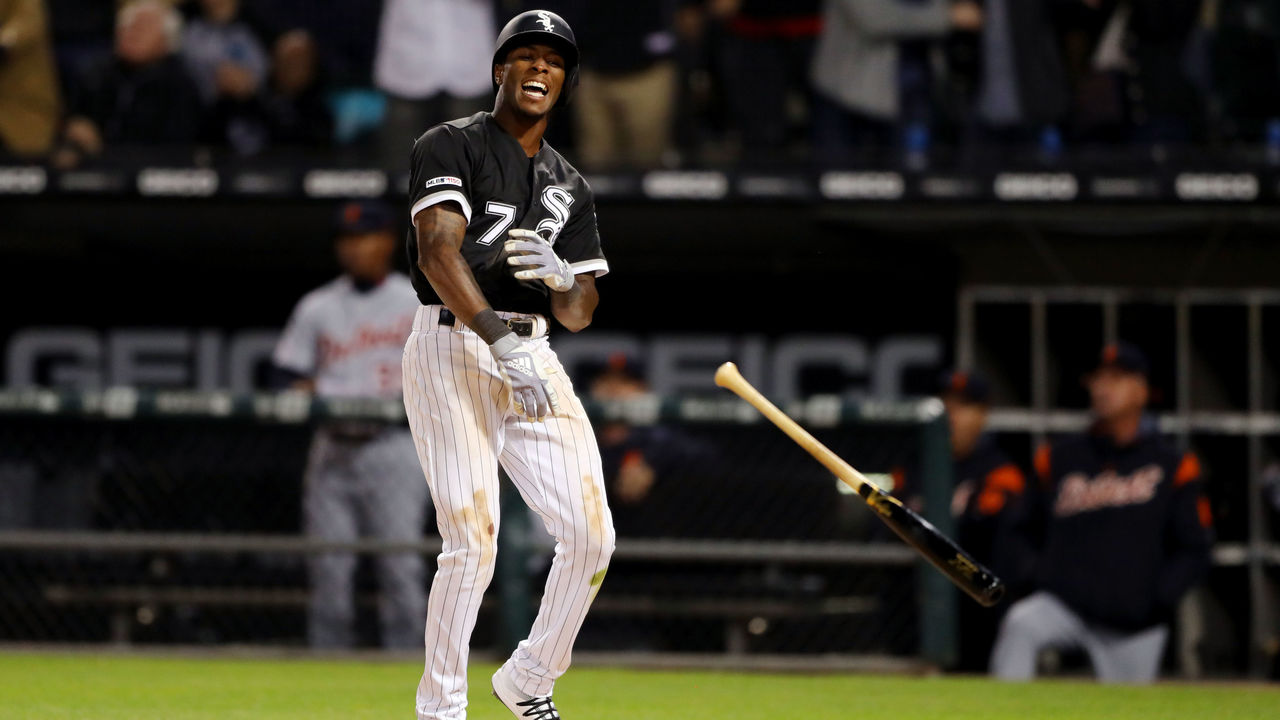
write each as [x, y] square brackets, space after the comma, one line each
[475, 164]
[350, 342]
[1116, 532]
[1078, 493]
[368, 338]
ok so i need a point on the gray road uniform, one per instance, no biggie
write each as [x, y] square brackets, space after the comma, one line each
[362, 480]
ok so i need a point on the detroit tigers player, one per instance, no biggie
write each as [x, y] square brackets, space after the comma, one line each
[1112, 535]
[504, 235]
[345, 338]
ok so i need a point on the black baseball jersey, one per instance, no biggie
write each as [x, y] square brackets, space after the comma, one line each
[986, 485]
[475, 163]
[1118, 533]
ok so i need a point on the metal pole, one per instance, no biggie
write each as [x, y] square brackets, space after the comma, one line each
[1182, 319]
[1261, 613]
[1182, 390]
[513, 567]
[964, 330]
[1110, 319]
[937, 601]
[1039, 362]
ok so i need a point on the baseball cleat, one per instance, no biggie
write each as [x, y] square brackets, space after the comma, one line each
[521, 705]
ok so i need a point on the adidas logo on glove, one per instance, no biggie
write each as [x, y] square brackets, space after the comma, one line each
[521, 364]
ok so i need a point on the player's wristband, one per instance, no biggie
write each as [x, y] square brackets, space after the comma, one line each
[489, 326]
[504, 345]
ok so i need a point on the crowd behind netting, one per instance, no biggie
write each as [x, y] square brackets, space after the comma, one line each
[664, 83]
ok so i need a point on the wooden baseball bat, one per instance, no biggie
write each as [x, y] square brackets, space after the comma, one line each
[968, 574]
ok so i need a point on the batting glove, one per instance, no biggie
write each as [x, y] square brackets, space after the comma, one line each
[531, 251]
[532, 392]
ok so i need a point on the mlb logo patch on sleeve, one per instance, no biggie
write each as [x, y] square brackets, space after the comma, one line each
[444, 180]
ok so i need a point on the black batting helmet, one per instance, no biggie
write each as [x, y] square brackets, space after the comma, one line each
[540, 26]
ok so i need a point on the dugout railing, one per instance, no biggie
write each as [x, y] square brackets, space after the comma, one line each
[1215, 359]
[141, 567]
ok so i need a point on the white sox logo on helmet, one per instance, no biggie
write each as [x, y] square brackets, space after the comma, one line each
[545, 18]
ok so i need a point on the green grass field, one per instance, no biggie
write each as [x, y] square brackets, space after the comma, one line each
[40, 686]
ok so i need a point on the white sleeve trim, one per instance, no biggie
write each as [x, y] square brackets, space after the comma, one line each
[439, 197]
[597, 265]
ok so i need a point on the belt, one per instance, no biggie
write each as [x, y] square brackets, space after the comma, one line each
[520, 326]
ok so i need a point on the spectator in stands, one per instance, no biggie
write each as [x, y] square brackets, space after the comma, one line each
[345, 33]
[1246, 68]
[1109, 539]
[345, 339]
[856, 67]
[1167, 106]
[229, 66]
[1129, 62]
[698, 116]
[81, 32]
[625, 104]
[142, 95]
[28, 86]
[428, 52]
[1095, 55]
[1022, 93]
[292, 105]
[766, 53]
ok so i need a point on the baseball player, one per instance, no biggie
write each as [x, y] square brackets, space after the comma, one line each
[987, 481]
[504, 237]
[345, 339]
[987, 485]
[1112, 536]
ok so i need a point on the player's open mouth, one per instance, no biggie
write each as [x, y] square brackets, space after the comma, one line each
[534, 89]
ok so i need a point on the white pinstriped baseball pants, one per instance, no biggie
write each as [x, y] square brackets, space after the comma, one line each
[464, 425]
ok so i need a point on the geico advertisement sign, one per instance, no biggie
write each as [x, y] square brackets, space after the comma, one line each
[208, 359]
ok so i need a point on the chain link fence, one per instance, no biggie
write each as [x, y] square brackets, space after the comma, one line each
[178, 518]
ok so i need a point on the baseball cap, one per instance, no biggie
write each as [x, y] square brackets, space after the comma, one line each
[968, 385]
[362, 216]
[1125, 356]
